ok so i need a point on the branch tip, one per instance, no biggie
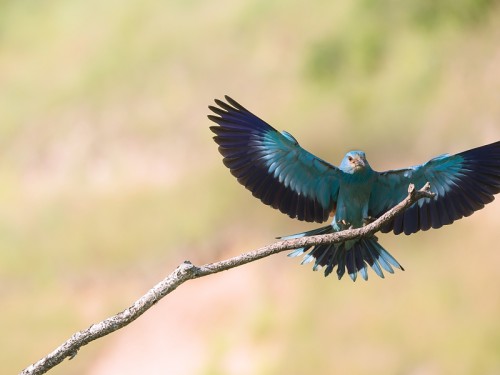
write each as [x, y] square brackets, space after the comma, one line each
[426, 191]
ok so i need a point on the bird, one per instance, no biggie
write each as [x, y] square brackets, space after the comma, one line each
[283, 175]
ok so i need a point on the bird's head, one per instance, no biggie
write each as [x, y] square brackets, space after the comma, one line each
[354, 161]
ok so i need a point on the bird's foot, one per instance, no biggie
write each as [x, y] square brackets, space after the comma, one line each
[344, 224]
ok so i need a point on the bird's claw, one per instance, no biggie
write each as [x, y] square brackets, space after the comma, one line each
[344, 224]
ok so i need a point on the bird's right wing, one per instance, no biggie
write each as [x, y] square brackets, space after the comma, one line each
[272, 165]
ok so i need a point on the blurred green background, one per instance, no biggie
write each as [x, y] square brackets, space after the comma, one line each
[110, 179]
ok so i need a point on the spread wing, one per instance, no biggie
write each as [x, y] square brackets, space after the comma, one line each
[463, 184]
[272, 165]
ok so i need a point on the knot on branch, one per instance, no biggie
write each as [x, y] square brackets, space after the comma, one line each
[188, 269]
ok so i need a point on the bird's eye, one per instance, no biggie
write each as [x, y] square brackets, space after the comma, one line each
[349, 158]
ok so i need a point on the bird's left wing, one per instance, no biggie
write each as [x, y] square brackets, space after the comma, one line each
[272, 165]
[463, 183]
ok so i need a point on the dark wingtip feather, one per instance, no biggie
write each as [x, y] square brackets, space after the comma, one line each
[222, 104]
[215, 119]
[234, 103]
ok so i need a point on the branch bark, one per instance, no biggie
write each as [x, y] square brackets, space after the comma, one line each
[187, 271]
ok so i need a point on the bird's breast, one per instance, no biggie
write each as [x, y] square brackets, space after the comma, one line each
[352, 203]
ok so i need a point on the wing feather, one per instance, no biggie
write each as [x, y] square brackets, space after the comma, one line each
[272, 165]
[463, 183]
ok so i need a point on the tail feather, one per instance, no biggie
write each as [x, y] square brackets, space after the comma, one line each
[333, 254]
[307, 259]
[367, 255]
[352, 256]
[319, 259]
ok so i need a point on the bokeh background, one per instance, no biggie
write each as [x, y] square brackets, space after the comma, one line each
[110, 179]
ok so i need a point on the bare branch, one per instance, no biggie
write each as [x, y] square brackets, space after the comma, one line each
[187, 271]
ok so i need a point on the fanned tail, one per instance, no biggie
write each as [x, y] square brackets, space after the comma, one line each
[351, 256]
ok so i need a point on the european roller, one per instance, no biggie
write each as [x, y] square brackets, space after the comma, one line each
[283, 175]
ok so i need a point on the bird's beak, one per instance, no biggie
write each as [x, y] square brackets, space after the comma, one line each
[360, 163]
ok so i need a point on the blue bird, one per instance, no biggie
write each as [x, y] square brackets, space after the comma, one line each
[278, 171]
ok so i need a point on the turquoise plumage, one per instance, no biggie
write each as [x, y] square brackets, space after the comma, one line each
[278, 171]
